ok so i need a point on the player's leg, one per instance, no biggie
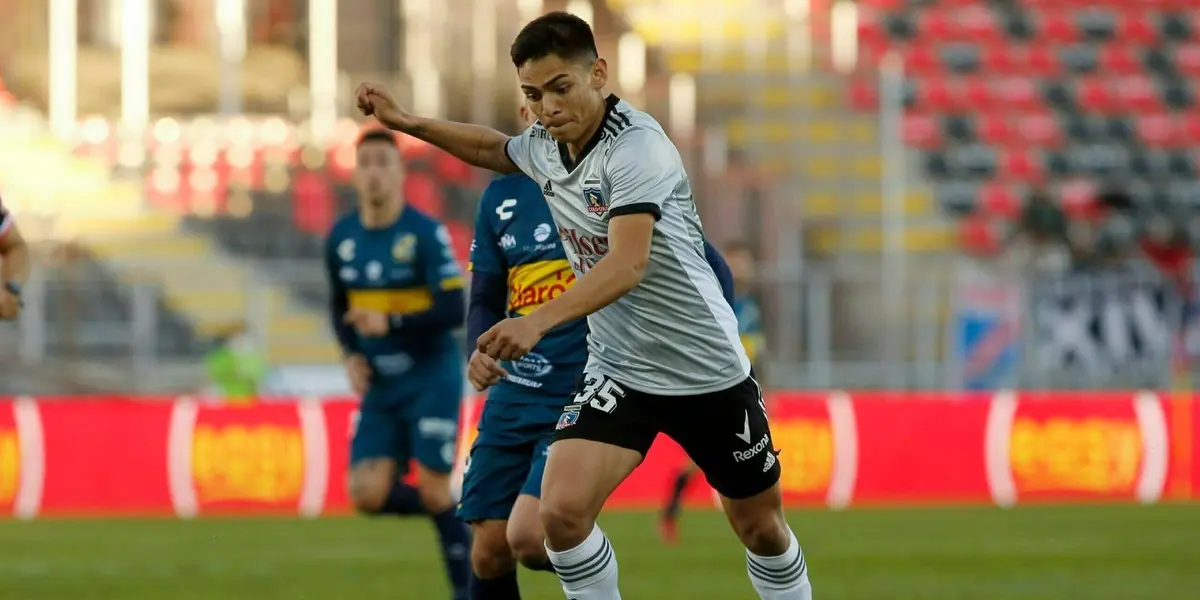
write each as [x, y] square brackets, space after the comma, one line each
[374, 484]
[729, 438]
[526, 537]
[668, 520]
[433, 431]
[601, 439]
[497, 469]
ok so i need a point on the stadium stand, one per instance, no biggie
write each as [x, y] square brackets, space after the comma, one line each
[796, 125]
[1003, 99]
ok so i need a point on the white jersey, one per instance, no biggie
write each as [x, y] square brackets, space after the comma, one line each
[674, 334]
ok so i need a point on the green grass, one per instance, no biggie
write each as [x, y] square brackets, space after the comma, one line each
[1047, 553]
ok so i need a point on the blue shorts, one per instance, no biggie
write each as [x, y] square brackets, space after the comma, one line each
[509, 454]
[411, 418]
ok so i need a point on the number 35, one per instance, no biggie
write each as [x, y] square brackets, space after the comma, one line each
[600, 393]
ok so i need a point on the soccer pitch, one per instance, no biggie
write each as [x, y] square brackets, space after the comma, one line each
[1044, 553]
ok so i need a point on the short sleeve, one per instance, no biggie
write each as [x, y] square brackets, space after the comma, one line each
[518, 149]
[642, 172]
[442, 272]
[485, 252]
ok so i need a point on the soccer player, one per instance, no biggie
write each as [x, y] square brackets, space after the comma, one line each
[396, 296]
[741, 264]
[663, 348]
[518, 264]
[14, 265]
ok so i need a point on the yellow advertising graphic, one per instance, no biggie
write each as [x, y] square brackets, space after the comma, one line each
[10, 465]
[806, 456]
[534, 284]
[1096, 455]
[248, 463]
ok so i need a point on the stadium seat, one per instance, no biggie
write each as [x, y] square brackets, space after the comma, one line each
[1018, 93]
[1057, 27]
[1159, 131]
[1095, 24]
[1079, 58]
[995, 129]
[921, 131]
[1119, 59]
[1000, 58]
[1000, 200]
[1094, 95]
[979, 25]
[977, 93]
[1042, 60]
[1040, 130]
[938, 24]
[1019, 164]
[920, 59]
[1135, 27]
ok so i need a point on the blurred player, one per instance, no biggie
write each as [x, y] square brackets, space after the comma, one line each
[663, 348]
[741, 264]
[14, 265]
[518, 264]
[396, 296]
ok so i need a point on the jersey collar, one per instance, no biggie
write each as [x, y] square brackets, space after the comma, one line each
[565, 155]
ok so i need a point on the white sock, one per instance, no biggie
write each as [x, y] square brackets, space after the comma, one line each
[589, 570]
[783, 577]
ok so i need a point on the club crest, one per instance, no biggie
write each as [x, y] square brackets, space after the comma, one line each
[593, 198]
[405, 248]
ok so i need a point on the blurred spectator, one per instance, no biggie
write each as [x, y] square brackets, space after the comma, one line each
[1039, 245]
[236, 367]
[1165, 244]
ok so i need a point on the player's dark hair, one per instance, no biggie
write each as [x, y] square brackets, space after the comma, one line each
[378, 135]
[557, 33]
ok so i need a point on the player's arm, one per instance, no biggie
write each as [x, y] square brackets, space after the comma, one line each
[642, 172]
[489, 272]
[445, 282]
[477, 145]
[339, 301]
[721, 269]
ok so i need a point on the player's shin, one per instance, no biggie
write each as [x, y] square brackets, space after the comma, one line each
[589, 570]
[781, 577]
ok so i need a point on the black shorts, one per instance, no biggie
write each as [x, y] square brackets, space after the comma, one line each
[725, 433]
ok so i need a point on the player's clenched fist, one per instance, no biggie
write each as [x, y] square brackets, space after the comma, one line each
[510, 339]
[374, 99]
[483, 371]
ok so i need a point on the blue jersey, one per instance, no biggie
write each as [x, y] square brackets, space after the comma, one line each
[407, 270]
[749, 325]
[515, 238]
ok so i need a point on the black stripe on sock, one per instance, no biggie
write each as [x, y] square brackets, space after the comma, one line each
[597, 568]
[586, 564]
[785, 576]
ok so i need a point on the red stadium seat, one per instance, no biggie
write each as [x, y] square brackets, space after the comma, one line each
[1119, 59]
[313, 203]
[995, 129]
[977, 237]
[1000, 58]
[922, 131]
[977, 93]
[979, 25]
[1018, 164]
[940, 95]
[1191, 128]
[1135, 27]
[1094, 95]
[1042, 60]
[1018, 93]
[920, 59]
[1137, 95]
[1159, 131]
[1077, 196]
[1040, 130]
[870, 29]
[1057, 27]
[423, 192]
[1000, 200]
[1187, 59]
[935, 24]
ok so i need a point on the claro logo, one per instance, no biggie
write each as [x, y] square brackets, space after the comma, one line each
[1087, 455]
[10, 465]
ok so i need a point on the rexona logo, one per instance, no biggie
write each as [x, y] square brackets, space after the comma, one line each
[807, 454]
[259, 463]
[1096, 455]
[741, 455]
[10, 465]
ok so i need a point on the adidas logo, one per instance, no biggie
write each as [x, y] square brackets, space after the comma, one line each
[770, 462]
[547, 191]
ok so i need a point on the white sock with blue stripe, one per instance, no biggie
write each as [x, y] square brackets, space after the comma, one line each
[783, 577]
[589, 570]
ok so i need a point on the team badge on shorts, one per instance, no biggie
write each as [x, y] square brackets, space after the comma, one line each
[567, 419]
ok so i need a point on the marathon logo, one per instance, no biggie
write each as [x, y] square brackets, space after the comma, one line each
[755, 450]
